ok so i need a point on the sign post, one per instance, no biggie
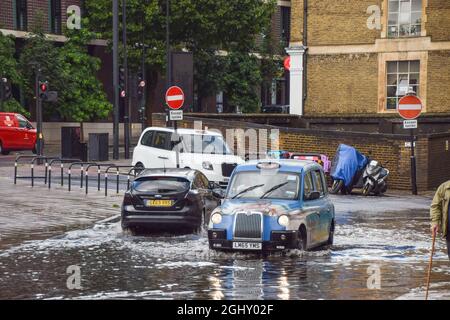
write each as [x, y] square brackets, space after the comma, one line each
[409, 108]
[175, 101]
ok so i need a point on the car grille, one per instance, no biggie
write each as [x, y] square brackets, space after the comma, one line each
[248, 226]
[227, 169]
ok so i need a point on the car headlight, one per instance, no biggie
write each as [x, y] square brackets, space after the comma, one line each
[207, 165]
[283, 220]
[216, 218]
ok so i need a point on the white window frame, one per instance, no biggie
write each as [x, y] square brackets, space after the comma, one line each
[410, 13]
[398, 74]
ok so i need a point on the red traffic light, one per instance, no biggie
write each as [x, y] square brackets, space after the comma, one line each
[43, 87]
[142, 83]
[123, 94]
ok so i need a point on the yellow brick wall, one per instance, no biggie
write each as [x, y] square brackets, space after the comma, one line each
[438, 20]
[438, 82]
[335, 22]
[342, 84]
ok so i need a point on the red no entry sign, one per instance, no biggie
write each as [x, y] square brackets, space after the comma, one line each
[174, 97]
[409, 107]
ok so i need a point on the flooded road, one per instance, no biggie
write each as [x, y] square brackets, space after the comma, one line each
[113, 264]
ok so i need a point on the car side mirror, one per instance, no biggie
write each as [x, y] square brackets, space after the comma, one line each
[314, 195]
[218, 193]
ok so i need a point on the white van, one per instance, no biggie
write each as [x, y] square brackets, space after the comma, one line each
[203, 150]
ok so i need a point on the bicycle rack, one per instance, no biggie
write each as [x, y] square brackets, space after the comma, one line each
[98, 174]
[61, 161]
[84, 171]
[81, 164]
[33, 160]
[117, 176]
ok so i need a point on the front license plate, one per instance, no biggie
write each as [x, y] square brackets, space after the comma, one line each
[247, 245]
[159, 203]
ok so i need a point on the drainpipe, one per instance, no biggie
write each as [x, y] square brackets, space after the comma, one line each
[305, 44]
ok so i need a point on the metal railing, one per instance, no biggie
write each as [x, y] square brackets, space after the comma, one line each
[61, 161]
[98, 174]
[118, 176]
[49, 163]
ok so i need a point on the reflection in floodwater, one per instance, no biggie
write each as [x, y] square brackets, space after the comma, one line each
[118, 265]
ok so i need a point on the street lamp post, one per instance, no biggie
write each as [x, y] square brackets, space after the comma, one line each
[125, 100]
[115, 9]
[168, 55]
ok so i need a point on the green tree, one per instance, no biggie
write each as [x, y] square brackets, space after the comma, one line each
[240, 81]
[9, 70]
[206, 28]
[39, 53]
[69, 70]
[83, 98]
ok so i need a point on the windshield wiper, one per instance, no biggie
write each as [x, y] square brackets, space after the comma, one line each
[278, 186]
[247, 190]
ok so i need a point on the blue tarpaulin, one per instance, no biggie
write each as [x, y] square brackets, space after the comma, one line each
[347, 162]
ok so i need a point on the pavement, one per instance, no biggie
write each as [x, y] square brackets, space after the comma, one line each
[30, 213]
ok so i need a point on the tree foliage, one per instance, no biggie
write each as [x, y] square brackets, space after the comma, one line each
[83, 97]
[206, 28]
[69, 70]
[9, 70]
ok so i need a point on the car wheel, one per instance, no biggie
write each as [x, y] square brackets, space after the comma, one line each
[337, 186]
[302, 238]
[3, 151]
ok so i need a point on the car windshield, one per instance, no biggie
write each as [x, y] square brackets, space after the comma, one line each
[206, 144]
[257, 185]
[161, 185]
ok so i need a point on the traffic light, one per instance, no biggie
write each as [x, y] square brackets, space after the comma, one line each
[122, 82]
[5, 88]
[141, 85]
[43, 90]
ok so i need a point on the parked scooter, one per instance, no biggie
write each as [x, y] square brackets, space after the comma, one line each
[374, 178]
[347, 169]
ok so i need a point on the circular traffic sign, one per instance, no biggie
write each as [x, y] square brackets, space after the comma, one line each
[287, 63]
[409, 107]
[174, 97]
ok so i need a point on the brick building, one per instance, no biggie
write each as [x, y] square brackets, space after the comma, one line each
[361, 56]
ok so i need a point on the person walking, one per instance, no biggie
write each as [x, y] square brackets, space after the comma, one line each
[440, 211]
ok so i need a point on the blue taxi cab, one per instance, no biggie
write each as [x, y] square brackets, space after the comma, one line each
[274, 205]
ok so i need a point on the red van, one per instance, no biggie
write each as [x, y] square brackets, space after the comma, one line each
[16, 133]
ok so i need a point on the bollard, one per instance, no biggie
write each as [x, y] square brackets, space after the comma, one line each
[46, 171]
[32, 175]
[62, 174]
[81, 177]
[87, 179]
[118, 179]
[15, 172]
[69, 172]
[106, 184]
[98, 177]
[49, 176]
